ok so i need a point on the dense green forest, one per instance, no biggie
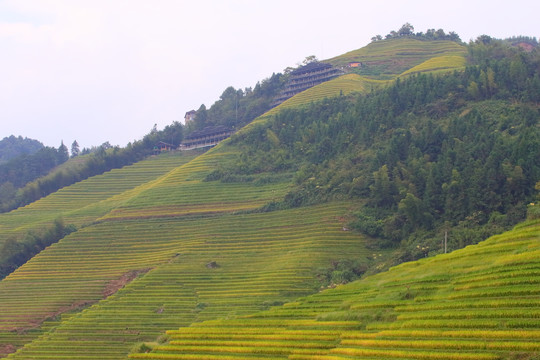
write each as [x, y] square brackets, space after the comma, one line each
[14, 146]
[457, 153]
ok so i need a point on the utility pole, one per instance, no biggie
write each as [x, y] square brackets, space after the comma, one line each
[445, 239]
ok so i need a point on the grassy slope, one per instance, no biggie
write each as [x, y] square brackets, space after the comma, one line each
[481, 302]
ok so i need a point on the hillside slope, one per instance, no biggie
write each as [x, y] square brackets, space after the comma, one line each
[481, 302]
[190, 250]
[222, 235]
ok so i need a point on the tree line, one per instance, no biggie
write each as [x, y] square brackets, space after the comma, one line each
[407, 30]
[236, 107]
[15, 253]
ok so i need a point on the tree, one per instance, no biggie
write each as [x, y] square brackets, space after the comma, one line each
[309, 59]
[107, 145]
[452, 35]
[413, 209]
[440, 35]
[173, 134]
[63, 154]
[383, 189]
[473, 90]
[201, 116]
[483, 39]
[7, 192]
[406, 30]
[75, 151]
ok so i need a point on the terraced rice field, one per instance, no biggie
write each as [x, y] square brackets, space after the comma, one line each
[342, 85]
[481, 302]
[438, 64]
[396, 56]
[87, 200]
[184, 192]
[187, 270]
[169, 252]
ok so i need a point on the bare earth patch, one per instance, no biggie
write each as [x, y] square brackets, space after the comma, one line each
[114, 285]
[7, 349]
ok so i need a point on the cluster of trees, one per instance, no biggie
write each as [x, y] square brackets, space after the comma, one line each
[428, 154]
[14, 146]
[341, 272]
[15, 253]
[236, 107]
[407, 30]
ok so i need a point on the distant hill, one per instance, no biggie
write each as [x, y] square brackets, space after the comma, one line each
[12, 146]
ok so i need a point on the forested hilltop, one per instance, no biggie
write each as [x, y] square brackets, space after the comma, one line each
[458, 152]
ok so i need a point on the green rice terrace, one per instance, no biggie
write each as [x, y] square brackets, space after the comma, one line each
[137, 269]
[481, 302]
[87, 200]
[390, 58]
[343, 85]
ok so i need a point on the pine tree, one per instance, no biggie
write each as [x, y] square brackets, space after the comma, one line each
[63, 154]
[75, 149]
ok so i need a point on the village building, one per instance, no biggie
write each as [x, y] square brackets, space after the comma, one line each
[209, 136]
[163, 147]
[306, 77]
[190, 116]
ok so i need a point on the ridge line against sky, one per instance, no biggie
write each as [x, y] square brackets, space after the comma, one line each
[96, 71]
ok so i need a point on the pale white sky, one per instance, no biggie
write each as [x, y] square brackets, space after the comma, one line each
[108, 70]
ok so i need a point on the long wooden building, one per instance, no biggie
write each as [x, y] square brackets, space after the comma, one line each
[209, 136]
[306, 77]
